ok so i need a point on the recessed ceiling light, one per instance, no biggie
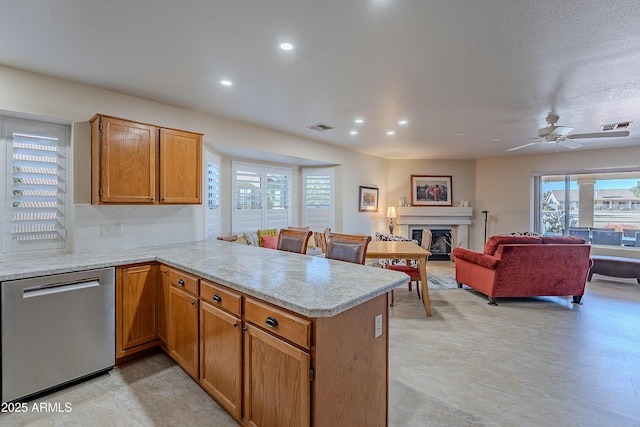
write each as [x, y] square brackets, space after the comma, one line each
[459, 134]
[403, 122]
[391, 132]
[353, 132]
[358, 121]
[286, 46]
[226, 82]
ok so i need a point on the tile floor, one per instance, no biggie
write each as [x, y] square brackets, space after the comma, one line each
[526, 362]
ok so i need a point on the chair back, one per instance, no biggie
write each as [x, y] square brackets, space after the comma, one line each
[425, 242]
[348, 247]
[293, 240]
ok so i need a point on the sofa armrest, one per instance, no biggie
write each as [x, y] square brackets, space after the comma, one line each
[474, 257]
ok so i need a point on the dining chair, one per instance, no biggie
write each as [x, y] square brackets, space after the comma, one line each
[606, 237]
[347, 247]
[293, 240]
[413, 272]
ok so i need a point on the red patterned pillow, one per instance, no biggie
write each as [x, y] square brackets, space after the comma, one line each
[270, 242]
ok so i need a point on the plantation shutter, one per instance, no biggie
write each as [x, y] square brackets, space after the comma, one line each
[38, 186]
[318, 207]
[261, 197]
[212, 213]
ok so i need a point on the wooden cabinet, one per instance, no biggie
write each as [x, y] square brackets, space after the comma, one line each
[136, 291]
[221, 346]
[183, 321]
[138, 163]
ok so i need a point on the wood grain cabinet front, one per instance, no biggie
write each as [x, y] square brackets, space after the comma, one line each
[139, 163]
[136, 293]
[183, 321]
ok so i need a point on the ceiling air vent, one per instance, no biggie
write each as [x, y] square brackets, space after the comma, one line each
[320, 127]
[615, 126]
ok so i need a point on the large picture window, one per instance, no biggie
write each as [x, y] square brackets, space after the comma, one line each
[603, 208]
[34, 186]
[318, 203]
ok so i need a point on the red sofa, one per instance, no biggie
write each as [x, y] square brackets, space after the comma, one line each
[523, 266]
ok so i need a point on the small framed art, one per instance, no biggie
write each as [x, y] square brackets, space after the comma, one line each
[368, 199]
[430, 190]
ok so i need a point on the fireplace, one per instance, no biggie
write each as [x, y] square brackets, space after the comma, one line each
[455, 220]
[441, 243]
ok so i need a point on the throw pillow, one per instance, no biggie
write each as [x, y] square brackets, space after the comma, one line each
[269, 232]
[252, 238]
[270, 242]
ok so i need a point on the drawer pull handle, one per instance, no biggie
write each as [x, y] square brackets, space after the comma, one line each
[181, 282]
[271, 322]
[217, 298]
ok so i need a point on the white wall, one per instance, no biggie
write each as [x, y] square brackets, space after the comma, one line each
[74, 103]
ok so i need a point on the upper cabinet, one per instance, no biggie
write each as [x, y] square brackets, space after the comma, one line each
[137, 163]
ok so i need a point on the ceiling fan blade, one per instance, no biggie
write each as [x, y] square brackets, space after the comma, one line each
[521, 146]
[599, 135]
[561, 131]
[570, 144]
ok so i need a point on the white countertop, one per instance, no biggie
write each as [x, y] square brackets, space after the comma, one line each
[308, 285]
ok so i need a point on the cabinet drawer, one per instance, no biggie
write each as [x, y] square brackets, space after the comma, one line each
[221, 297]
[288, 326]
[183, 280]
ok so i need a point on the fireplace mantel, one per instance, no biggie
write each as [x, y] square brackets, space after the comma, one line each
[457, 219]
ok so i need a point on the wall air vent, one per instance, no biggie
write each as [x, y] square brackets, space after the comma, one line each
[615, 126]
[320, 127]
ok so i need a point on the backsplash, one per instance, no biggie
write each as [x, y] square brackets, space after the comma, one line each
[104, 228]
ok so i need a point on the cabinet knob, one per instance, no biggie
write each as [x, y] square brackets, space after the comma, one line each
[193, 303]
[217, 298]
[181, 282]
[235, 325]
[272, 322]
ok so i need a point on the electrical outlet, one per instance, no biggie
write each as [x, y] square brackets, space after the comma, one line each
[110, 230]
[378, 323]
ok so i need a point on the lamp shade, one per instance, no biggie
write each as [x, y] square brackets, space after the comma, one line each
[392, 212]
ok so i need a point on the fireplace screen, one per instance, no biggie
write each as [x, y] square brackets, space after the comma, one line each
[441, 243]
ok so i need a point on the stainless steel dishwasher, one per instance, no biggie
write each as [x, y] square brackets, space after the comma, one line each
[55, 330]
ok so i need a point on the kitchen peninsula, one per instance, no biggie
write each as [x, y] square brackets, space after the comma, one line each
[328, 318]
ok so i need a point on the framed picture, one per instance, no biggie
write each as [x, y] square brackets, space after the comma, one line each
[430, 190]
[368, 199]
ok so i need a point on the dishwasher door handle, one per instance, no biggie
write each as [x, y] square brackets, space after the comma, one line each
[58, 288]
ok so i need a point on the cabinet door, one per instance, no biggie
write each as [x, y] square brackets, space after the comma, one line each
[180, 167]
[127, 162]
[277, 383]
[221, 357]
[163, 307]
[137, 301]
[183, 330]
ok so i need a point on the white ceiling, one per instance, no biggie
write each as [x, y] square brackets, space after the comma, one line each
[473, 78]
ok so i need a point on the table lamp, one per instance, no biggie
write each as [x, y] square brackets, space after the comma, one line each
[392, 213]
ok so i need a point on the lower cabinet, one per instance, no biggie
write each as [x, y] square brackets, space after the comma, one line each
[277, 381]
[183, 322]
[136, 292]
[162, 308]
[221, 357]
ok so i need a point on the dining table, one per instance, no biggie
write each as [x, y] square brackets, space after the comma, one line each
[407, 251]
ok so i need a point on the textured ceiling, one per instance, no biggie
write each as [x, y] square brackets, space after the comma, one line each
[473, 78]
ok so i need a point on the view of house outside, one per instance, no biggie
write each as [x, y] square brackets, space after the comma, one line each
[571, 204]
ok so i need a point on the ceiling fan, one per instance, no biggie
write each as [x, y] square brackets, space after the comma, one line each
[555, 134]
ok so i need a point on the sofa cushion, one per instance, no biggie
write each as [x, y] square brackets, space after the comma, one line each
[252, 238]
[270, 242]
[564, 240]
[269, 232]
[494, 242]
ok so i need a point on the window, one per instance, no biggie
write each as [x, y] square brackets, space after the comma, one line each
[261, 197]
[212, 209]
[318, 203]
[34, 186]
[578, 203]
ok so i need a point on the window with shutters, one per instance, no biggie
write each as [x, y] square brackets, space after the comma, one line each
[212, 213]
[318, 198]
[261, 197]
[34, 186]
